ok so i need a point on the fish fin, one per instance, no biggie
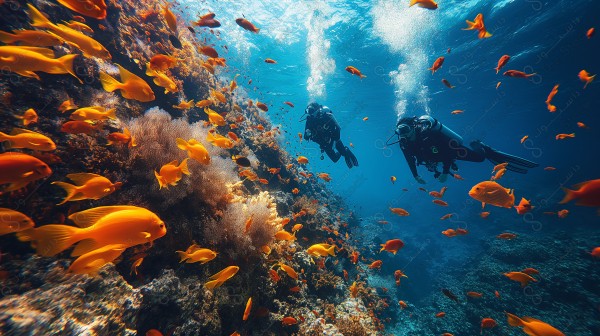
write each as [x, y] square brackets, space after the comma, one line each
[52, 239]
[514, 320]
[30, 74]
[184, 167]
[109, 83]
[216, 276]
[491, 192]
[17, 130]
[112, 114]
[159, 179]
[181, 144]
[580, 185]
[470, 25]
[89, 217]
[85, 246]
[16, 186]
[213, 284]
[81, 178]
[174, 163]
[38, 19]
[569, 196]
[193, 142]
[531, 319]
[69, 188]
[132, 142]
[184, 256]
[126, 75]
[145, 235]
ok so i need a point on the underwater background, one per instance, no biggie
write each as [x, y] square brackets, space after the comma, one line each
[312, 43]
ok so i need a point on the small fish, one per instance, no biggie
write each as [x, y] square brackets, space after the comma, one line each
[196, 254]
[34, 38]
[218, 279]
[491, 192]
[91, 262]
[184, 105]
[499, 174]
[208, 20]
[523, 278]
[563, 136]
[289, 104]
[297, 227]
[447, 83]
[553, 93]
[590, 33]
[26, 61]
[437, 64]
[247, 25]
[321, 250]
[124, 138]
[402, 304]
[66, 106]
[457, 112]
[29, 117]
[524, 138]
[446, 216]
[478, 25]
[93, 113]
[195, 149]
[392, 246]
[498, 85]
[215, 118]
[440, 202]
[324, 176]
[484, 214]
[501, 63]
[585, 77]
[12, 221]
[440, 314]
[134, 266]
[93, 8]
[262, 106]
[302, 160]
[487, 323]
[219, 141]
[132, 87]
[288, 321]
[204, 103]
[393, 179]
[284, 235]
[581, 125]
[355, 71]
[18, 170]
[160, 62]
[549, 168]
[162, 80]
[533, 326]
[474, 295]
[587, 194]
[248, 309]
[270, 61]
[376, 264]
[517, 74]
[399, 211]
[170, 18]
[365, 118]
[171, 173]
[87, 186]
[507, 236]
[428, 4]
[82, 27]
[562, 213]
[289, 271]
[524, 206]
[22, 138]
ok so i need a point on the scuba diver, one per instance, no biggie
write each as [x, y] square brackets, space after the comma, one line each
[425, 141]
[322, 128]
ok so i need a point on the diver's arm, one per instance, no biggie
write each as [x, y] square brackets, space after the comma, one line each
[410, 159]
[331, 125]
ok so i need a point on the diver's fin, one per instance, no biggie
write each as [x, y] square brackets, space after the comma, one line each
[515, 163]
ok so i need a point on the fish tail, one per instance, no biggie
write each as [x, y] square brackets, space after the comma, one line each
[38, 19]
[49, 240]
[109, 83]
[470, 25]
[184, 167]
[432, 70]
[67, 65]
[569, 196]
[590, 79]
[531, 75]
[497, 70]
[181, 144]
[514, 320]
[362, 76]
[484, 34]
[412, 3]
[6, 37]
[382, 248]
[4, 137]
[132, 142]
[69, 188]
[112, 113]
[159, 178]
[184, 256]
[331, 251]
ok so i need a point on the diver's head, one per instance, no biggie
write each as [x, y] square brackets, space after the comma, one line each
[312, 108]
[405, 129]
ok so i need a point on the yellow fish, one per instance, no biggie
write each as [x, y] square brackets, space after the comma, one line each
[196, 254]
[14, 221]
[185, 105]
[218, 96]
[162, 80]
[290, 271]
[87, 45]
[88, 186]
[33, 38]
[90, 263]
[132, 87]
[92, 8]
[93, 113]
[284, 235]
[195, 150]
[214, 117]
[219, 140]
[66, 106]
[29, 117]
[22, 138]
[82, 27]
[218, 279]
[171, 173]
[97, 227]
[321, 250]
[25, 61]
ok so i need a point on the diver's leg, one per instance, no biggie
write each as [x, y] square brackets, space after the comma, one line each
[464, 153]
[515, 163]
[351, 160]
[331, 153]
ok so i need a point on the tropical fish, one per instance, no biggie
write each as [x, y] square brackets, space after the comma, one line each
[478, 25]
[270, 61]
[66, 106]
[524, 138]
[563, 136]
[288, 321]
[132, 87]
[25, 61]
[440, 202]
[262, 106]
[324, 176]
[208, 20]
[402, 304]
[397, 275]
[93, 113]
[93, 8]
[289, 271]
[160, 62]
[302, 160]
[184, 105]
[284, 235]
[474, 295]
[124, 138]
[507, 236]
[171, 173]
[195, 149]
[135, 265]
[533, 326]
[22, 138]
[502, 62]
[449, 233]
[219, 141]
[29, 117]
[447, 83]
[90, 263]
[97, 227]
[392, 246]
[429, 4]
[355, 71]
[376, 264]
[297, 227]
[247, 25]
[162, 80]
[587, 194]
[553, 93]
[499, 174]
[457, 112]
[248, 309]
[595, 252]
[321, 250]
[13, 221]
[170, 18]
[215, 118]
[562, 213]
[33, 38]
[218, 96]
[218, 279]
[524, 206]
[20, 169]
[584, 76]
[523, 278]
[196, 254]
[517, 74]
[87, 186]
[581, 125]
[437, 64]
[399, 211]
[492, 193]
[440, 314]
[487, 323]
[446, 216]
[80, 127]
[590, 33]
[290, 104]
[87, 45]
[484, 214]
[204, 103]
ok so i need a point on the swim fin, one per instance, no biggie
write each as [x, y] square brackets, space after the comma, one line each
[351, 160]
[515, 163]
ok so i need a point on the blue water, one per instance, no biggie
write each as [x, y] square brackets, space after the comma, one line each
[393, 45]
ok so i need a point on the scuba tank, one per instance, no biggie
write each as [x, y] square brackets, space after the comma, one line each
[428, 123]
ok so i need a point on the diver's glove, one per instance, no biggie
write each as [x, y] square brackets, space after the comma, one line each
[443, 178]
[420, 179]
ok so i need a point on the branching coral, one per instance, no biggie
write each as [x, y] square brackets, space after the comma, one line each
[351, 326]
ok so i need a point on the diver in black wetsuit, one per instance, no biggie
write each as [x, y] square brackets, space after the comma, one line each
[425, 141]
[322, 128]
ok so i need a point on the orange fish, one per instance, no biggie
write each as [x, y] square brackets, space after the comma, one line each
[484, 214]
[218, 279]
[20, 169]
[324, 176]
[13, 221]
[208, 20]
[289, 104]
[474, 295]
[457, 112]
[210, 52]
[524, 138]
[376, 264]
[399, 211]
[549, 168]
[478, 25]
[80, 127]
[553, 93]
[402, 304]
[355, 71]
[437, 64]
[440, 314]
[584, 76]
[124, 138]
[595, 252]
[295, 191]
[447, 83]
[153, 332]
[499, 174]
[392, 245]
[501, 63]
[520, 277]
[440, 202]
[26, 61]
[92, 8]
[88, 186]
[449, 233]
[517, 74]
[488, 323]
[262, 106]
[270, 61]
[587, 194]
[563, 136]
[563, 213]
[32, 38]
[274, 276]
[354, 257]
[302, 160]
[498, 85]
[171, 173]
[29, 117]
[491, 192]
[581, 125]
[428, 4]
[507, 236]
[497, 294]
[289, 271]
[132, 87]
[530, 271]
[247, 310]
[247, 25]
[590, 33]
[524, 206]
[533, 326]
[446, 216]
